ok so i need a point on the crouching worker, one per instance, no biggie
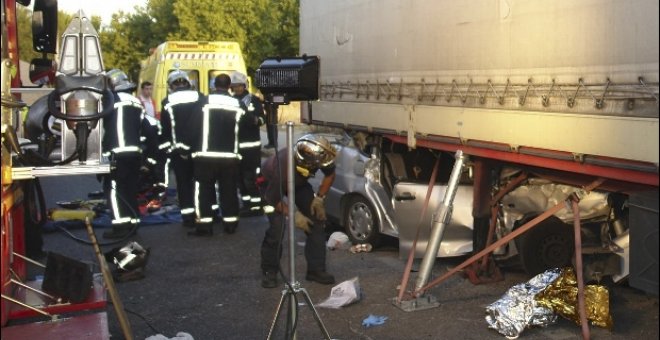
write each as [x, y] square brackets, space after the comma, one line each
[312, 153]
[121, 143]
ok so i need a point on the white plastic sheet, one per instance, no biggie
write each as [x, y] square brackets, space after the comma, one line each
[343, 294]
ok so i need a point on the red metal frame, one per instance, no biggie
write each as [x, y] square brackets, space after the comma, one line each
[91, 326]
[12, 39]
[95, 301]
[630, 176]
[17, 211]
[7, 202]
[13, 241]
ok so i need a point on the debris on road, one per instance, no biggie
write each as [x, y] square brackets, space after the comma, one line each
[361, 248]
[338, 240]
[373, 320]
[343, 294]
[179, 336]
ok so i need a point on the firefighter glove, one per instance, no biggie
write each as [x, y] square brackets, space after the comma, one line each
[318, 208]
[302, 222]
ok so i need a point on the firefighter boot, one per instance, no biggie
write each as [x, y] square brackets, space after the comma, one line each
[269, 279]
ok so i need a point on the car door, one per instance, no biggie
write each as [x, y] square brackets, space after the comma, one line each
[408, 201]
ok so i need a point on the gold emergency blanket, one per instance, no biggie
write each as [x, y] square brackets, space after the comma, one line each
[537, 302]
[561, 297]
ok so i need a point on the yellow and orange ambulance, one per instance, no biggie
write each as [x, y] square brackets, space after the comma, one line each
[202, 60]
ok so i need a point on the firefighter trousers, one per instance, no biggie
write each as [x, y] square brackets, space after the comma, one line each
[183, 174]
[250, 163]
[123, 189]
[224, 172]
[271, 247]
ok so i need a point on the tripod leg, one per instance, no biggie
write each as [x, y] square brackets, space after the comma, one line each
[292, 316]
[316, 314]
[277, 314]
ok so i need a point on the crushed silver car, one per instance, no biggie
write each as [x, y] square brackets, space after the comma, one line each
[381, 186]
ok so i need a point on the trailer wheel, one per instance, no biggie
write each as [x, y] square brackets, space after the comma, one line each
[360, 222]
[550, 244]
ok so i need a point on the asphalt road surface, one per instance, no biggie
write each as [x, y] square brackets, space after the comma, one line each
[210, 288]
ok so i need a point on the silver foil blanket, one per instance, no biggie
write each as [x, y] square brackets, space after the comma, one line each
[518, 309]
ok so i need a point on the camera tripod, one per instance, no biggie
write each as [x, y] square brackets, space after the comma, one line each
[293, 287]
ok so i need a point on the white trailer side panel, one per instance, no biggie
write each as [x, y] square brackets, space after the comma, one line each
[572, 76]
[592, 39]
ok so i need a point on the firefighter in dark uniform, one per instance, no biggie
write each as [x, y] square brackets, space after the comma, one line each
[121, 142]
[153, 163]
[249, 137]
[312, 153]
[180, 110]
[216, 159]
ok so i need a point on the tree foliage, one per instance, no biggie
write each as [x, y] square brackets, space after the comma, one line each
[263, 28]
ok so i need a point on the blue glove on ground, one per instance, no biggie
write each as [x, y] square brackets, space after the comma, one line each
[373, 320]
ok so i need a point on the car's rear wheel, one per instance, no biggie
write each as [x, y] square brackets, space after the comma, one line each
[550, 244]
[360, 222]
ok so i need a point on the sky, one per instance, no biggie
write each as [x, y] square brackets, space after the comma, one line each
[102, 8]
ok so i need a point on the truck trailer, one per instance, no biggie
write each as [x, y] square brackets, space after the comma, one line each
[565, 92]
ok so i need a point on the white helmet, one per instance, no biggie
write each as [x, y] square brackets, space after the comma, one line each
[178, 80]
[314, 152]
[238, 78]
[120, 81]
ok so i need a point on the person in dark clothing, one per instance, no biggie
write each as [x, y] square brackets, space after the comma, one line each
[180, 115]
[153, 177]
[216, 157]
[249, 138]
[121, 142]
[312, 153]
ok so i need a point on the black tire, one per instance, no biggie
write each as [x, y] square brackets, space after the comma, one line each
[360, 222]
[550, 244]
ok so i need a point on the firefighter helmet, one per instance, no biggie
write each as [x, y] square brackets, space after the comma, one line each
[178, 80]
[314, 152]
[120, 81]
[238, 78]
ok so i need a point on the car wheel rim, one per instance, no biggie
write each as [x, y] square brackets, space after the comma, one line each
[360, 221]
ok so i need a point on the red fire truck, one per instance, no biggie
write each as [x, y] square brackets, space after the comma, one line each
[79, 87]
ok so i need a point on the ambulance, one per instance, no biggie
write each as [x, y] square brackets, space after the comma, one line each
[202, 60]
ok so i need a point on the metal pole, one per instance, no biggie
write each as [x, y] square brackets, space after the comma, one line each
[440, 221]
[504, 240]
[293, 287]
[291, 197]
[110, 284]
[584, 324]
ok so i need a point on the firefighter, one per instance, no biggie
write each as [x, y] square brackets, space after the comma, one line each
[249, 137]
[312, 153]
[216, 159]
[180, 111]
[154, 180]
[122, 144]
